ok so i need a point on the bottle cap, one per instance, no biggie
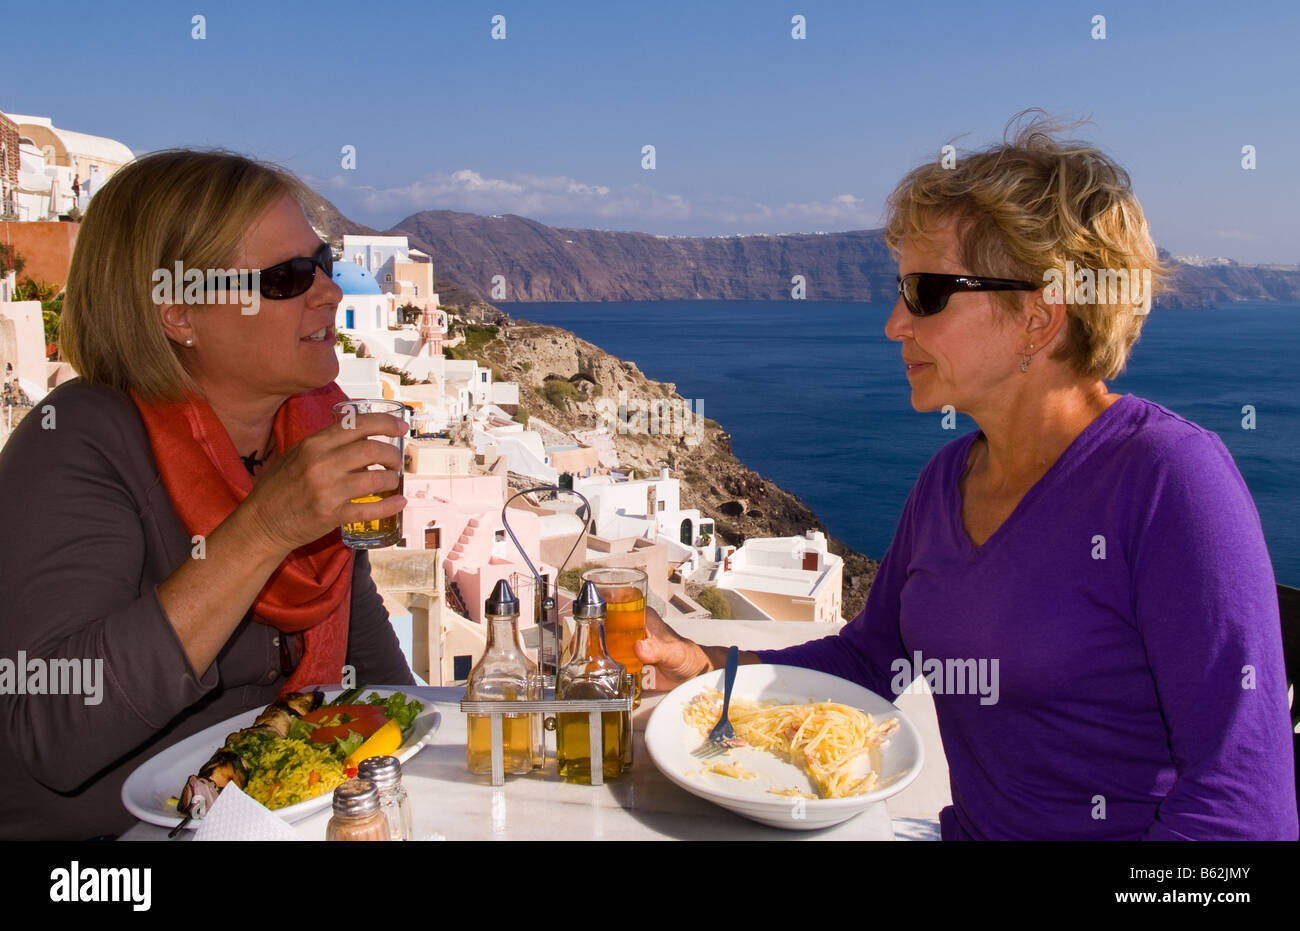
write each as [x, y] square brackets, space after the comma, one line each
[502, 601]
[356, 797]
[384, 771]
[589, 603]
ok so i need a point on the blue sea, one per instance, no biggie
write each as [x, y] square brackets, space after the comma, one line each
[815, 398]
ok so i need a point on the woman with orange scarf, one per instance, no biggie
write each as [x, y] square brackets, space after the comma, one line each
[172, 514]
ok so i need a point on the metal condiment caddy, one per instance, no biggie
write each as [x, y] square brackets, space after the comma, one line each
[593, 707]
[549, 652]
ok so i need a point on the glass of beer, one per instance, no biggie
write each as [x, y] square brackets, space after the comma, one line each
[386, 531]
[624, 592]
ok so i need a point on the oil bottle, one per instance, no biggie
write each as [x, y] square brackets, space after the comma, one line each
[591, 674]
[505, 673]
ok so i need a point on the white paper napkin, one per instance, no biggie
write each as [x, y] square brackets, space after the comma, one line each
[235, 816]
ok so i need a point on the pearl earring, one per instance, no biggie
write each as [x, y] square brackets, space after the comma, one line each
[190, 342]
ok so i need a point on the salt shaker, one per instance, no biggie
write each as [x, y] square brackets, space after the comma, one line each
[386, 773]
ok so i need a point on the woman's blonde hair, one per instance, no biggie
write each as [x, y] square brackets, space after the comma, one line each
[1034, 204]
[175, 205]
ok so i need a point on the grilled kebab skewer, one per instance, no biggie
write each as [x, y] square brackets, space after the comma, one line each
[226, 765]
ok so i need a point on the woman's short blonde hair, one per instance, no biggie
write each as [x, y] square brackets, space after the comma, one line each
[175, 205]
[1033, 204]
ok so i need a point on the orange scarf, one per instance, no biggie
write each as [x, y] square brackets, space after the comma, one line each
[311, 591]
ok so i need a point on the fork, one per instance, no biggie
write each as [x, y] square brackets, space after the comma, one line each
[721, 737]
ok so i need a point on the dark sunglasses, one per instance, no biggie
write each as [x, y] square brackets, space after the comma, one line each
[295, 276]
[284, 280]
[926, 293]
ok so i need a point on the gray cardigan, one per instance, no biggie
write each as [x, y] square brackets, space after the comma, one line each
[89, 532]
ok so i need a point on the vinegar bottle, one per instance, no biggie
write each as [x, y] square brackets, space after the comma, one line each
[505, 673]
[591, 674]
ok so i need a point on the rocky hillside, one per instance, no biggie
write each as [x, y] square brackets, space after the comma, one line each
[543, 263]
[742, 502]
[331, 223]
[1211, 285]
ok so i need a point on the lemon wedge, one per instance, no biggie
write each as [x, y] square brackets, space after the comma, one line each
[383, 742]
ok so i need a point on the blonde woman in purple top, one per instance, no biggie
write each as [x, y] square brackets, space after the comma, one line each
[1093, 564]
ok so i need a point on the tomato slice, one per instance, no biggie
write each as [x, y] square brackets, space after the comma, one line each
[358, 719]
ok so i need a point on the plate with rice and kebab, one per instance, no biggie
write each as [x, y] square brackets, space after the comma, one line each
[289, 756]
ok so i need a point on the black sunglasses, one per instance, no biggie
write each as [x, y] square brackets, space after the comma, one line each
[295, 276]
[284, 280]
[927, 293]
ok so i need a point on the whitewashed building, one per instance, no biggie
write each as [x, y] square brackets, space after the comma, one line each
[58, 168]
[783, 579]
[649, 508]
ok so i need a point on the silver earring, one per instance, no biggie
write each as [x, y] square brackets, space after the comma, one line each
[1024, 360]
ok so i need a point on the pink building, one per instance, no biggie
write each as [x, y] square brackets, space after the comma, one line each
[464, 515]
[575, 459]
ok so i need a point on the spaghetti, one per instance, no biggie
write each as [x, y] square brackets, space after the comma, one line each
[825, 739]
[732, 769]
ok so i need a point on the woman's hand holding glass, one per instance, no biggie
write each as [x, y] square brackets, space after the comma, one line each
[307, 492]
[677, 659]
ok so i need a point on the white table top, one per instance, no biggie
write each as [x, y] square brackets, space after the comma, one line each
[447, 802]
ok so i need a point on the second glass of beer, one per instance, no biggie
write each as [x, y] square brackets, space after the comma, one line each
[624, 592]
[386, 531]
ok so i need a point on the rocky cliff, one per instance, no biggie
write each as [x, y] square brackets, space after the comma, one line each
[542, 263]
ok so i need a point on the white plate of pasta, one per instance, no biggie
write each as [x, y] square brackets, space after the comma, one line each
[818, 749]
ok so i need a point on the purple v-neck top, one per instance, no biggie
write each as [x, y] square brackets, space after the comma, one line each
[1108, 665]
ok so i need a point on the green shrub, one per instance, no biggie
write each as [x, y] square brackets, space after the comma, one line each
[30, 290]
[715, 603]
[345, 341]
[51, 320]
[521, 416]
[526, 365]
[558, 391]
[571, 579]
[476, 337]
[10, 260]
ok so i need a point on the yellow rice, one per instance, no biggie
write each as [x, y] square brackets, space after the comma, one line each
[282, 772]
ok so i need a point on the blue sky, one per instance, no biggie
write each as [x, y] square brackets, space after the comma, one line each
[754, 131]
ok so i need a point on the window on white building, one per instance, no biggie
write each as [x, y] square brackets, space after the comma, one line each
[416, 288]
[660, 507]
[483, 377]
[388, 279]
[359, 259]
[376, 259]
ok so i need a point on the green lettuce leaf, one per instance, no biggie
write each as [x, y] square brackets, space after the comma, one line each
[398, 709]
[346, 746]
